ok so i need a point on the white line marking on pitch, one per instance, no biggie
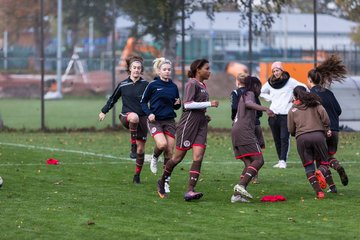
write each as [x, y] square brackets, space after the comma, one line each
[147, 156]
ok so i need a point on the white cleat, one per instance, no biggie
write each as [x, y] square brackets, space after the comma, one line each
[242, 191]
[153, 165]
[167, 187]
[238, 198]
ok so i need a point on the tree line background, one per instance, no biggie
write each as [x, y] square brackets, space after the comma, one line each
[157, 18]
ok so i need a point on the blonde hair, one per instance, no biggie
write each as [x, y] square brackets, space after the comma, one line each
[158, 62]
[240, 79]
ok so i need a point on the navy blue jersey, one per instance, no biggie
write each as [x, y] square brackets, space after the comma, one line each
[131, 94]
[159, 98]
[331, 105]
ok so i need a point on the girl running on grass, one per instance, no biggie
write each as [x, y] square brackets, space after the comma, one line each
[245, 143]
[332, 69]
[235, 96]
[310, 124]
[159, 100]
[192, 128]
[132, 115]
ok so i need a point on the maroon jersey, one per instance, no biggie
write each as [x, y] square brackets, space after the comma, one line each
[193, 125]
[243, 130]
[195, 92]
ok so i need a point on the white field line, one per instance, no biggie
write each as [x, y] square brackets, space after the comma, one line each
[124, 159]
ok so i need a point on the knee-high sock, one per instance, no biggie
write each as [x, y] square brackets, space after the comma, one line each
[165, 161]
[334, 163]
[327, 174]
[310, 174]
[139, 163]
[194, 174]
[169, 167]
[133, 132]
[251, 171]
[157, 152]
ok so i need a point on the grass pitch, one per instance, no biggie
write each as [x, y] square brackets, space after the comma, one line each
[90, 194]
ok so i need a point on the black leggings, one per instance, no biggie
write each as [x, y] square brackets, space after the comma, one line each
[281, 135]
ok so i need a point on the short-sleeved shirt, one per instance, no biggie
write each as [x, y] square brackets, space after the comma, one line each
[243, 130]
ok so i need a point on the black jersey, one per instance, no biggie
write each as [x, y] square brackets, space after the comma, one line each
[131, 94]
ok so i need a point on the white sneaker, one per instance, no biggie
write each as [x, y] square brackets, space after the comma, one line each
[280, 164]
[153, 164]
[277, 165]
[242, 191]
[238, 198]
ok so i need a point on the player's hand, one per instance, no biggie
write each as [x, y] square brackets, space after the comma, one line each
[177, 101]
[214, 103]
[151, 118]
[102, 116]
[208, 118]
[270, 113]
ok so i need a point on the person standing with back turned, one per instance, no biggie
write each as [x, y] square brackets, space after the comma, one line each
[192, 128]
[278, 89]
[332, 69]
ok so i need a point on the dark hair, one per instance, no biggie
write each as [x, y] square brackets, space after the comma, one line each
[309, 99]
[252, 84]
[134, 58]
[195, 65]
[332, 69]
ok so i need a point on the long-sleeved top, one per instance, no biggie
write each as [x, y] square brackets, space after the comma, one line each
[302, 119]
[131, 93]
[331, 105]
[234, 98]
[281, 95]
[161, 96]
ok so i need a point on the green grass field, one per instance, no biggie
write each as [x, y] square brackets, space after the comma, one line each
[90, 195]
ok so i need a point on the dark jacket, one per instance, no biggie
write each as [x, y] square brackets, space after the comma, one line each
[331, 105]
[161, 96]
[131, 94]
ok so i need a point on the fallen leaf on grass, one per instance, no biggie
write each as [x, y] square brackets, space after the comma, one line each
[90, 222]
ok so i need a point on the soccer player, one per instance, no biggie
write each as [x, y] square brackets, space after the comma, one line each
[132, 115]
[245, 143]
[332, 69]
[160, 99]
[192, 128]
[235, 96]
[309, 123]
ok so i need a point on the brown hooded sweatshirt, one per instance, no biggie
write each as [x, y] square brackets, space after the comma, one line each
[303, 119]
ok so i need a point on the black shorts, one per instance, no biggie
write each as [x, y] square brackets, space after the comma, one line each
[141, 129]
